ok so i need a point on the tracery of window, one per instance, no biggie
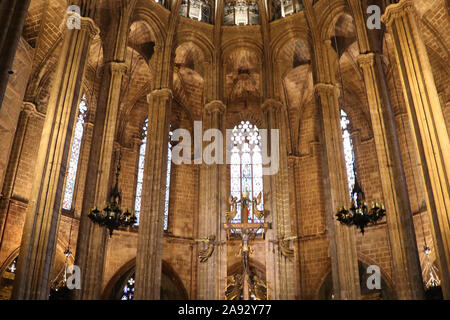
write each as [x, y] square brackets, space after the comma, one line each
[348, 151]
[196, 9]
[284, 8]
[241, 12]
[75, 154]
[140, 176]
[246, 172]
[128, 289]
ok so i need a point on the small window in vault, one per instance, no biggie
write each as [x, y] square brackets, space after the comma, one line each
[200, 10]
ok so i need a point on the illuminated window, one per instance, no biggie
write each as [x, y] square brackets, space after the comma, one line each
[75, 154]
[167, 198]
[284, 8]
[196, 9]
[128, 289]
[12, 267]
[246, 170]
[140, 177]
[241, 12]
[348, 151]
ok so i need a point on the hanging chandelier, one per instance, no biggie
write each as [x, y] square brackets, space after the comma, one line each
[112, 217]
[359, 214]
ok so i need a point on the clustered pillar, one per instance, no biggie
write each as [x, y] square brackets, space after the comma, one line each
[402, 239]
[11, 172]
[212, 273]
[92, 239]
[344, 260]
[39, 239]
[280, 270]
[151, 220]
[428, 124]
[405, 259]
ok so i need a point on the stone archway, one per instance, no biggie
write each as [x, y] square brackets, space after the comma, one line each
[385, 293]
[172, 287]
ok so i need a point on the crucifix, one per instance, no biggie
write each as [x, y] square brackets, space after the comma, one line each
[247, 232]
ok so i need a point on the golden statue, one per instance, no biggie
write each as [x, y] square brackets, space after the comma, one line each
[284, 246]
[232, 201]
[258, 288]
[234, 288]
[206, 253]
[258, 213]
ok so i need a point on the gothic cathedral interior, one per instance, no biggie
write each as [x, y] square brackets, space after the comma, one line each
[224, 149]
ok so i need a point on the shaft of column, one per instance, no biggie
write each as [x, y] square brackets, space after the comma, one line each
[212, 273]
[13, 164]
[281, 274]
[151, 220]
[405, 258]
[92, 239]
[344, 259]
[427, 120]
[12, 20]
[39, 239]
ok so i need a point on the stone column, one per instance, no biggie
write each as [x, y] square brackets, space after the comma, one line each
[41, 225]
[344, 259]
[13, 164]
[92, 239]
[427, 120]
[212, 273]
[12, 19]
[281, 273]
[151, 221]
[407, 273]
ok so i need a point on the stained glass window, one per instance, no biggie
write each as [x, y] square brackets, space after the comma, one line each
[348, 151]
[140, 178]
[75, 154]
[169, 170]
[246, 171]
[128, 289]
[12, 267]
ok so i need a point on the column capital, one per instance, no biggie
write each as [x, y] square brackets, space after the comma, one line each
[87, 24]
[271, 105]
[118, 67]
[137, 142]
[163, 93]
[366, 59]
[326, 88]
[397, 10]
[215, 106]
[29, 107]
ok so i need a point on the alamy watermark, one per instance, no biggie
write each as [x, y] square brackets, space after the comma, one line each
[374, 19]
[73, 277]
[374, 280]
[74, 17]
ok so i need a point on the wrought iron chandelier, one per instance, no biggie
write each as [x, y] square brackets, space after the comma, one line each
[113, 216]
[359, 214]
